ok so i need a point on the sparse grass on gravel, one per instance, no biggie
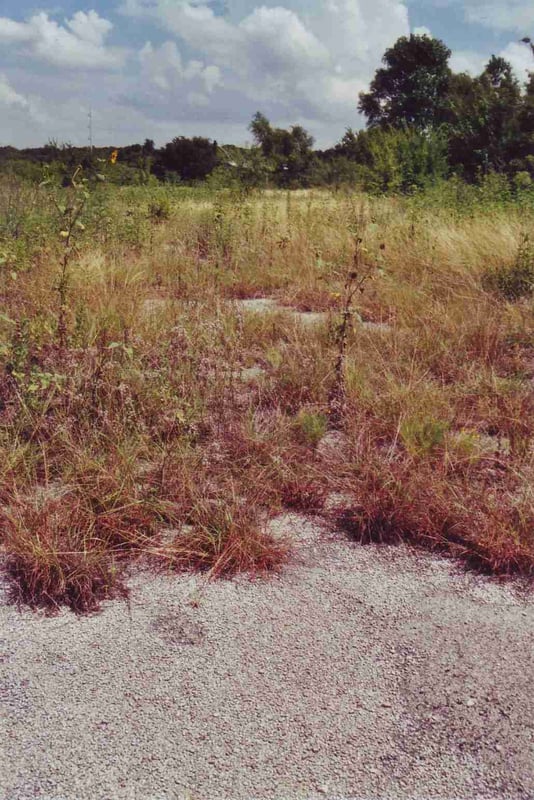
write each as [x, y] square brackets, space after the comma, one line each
[175, 422]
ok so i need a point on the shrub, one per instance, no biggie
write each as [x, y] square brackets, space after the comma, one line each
[515, 280]
[159, 210]
[418, 502]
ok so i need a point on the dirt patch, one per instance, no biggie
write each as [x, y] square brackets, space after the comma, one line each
[371, 672]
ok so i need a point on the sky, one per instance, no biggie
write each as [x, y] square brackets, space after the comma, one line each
[164, 68]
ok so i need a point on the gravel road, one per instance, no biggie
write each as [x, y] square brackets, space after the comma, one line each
[359, 672]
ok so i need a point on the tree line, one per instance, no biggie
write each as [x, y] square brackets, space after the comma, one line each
[424, 122]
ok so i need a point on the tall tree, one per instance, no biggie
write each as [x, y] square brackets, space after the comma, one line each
[484, 119]
[525, 143]
[412, 87]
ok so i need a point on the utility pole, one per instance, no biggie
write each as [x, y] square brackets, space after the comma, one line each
[90, 127]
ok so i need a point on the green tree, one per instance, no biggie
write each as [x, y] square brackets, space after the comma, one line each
[290, 152]
[192, 159]
[525, 142]
[396, 159]
[412, 87]
[484, 123]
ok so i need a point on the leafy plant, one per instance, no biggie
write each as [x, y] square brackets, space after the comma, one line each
[312, 426]
[71, 227]
[423, 436]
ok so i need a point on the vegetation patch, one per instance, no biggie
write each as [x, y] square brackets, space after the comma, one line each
[129, 437]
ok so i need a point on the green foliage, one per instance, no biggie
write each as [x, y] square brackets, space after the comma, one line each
[336, 171]
[288, 152]
[412, 87]
[24, 225]
[523, 181]
[488, 120]
[396, 159]
[484, 124]
[423, 436]
[241, 168]
[312, 426]
[190, 159]
[159, 210]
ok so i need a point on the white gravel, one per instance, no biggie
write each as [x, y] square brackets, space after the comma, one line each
[359, 672]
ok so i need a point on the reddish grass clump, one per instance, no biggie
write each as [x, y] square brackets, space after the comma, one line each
[55, 555]
[303, 495]
[225, 538]
[485, 526]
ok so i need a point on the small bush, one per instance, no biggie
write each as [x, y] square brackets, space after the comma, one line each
[515, 280]
[159, 211]
[418, 502]
[307, 497]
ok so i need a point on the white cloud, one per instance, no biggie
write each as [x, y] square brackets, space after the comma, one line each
[207, 71]
[473, 62]
[90, 27]
[164, 69]
[78, 44]
[422, 30]
[197, 99]
[520, 57]
[313, 62]
[11, 31]
[504, 15]
[468, 61]
[277, 41]
[8, 95]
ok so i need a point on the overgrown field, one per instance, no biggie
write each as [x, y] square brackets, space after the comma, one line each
[150, 412]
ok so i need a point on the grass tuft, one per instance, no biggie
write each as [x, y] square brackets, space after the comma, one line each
[488, 528]
[55, 555]
[225, 538]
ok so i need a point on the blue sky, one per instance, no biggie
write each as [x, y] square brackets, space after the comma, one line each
[162, 68]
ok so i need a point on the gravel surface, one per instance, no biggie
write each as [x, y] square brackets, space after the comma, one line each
[359, 672]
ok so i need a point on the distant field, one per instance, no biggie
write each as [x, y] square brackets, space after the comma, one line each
[149, 410]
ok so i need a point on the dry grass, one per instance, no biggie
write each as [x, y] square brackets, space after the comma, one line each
[56, 554]
[173, 406]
